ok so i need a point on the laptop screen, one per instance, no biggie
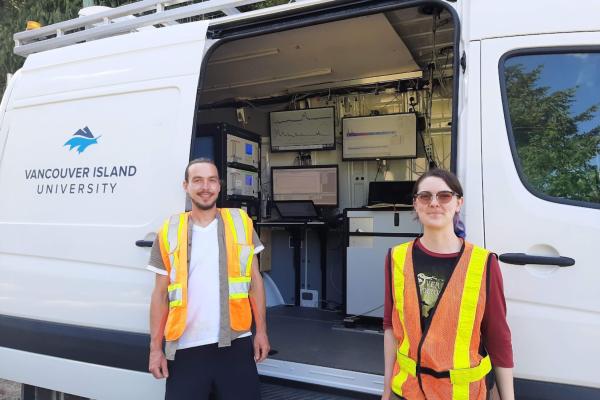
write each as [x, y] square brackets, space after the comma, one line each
[296, 209]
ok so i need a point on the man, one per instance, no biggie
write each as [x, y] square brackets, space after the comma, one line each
[208, 287]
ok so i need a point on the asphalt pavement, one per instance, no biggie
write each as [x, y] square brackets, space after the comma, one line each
[9, 390]
[270, 391]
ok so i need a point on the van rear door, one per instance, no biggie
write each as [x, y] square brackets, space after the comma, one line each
[540, 135]
[97, 136]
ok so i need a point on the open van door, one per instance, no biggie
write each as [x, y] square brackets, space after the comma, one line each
[95, 140]
[542, 202]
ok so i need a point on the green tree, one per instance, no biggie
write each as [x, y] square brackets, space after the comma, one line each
[556, 156]
[267, 3]
[14, 15]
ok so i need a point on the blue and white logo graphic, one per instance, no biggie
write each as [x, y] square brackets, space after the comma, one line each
[81, 140]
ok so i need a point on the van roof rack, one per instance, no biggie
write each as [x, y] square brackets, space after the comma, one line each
[128, 18]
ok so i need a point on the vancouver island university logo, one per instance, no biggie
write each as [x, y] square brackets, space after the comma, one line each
[81, 140]
[80, 179]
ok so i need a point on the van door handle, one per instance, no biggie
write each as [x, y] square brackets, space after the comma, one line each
[144, 243]
[522, 259]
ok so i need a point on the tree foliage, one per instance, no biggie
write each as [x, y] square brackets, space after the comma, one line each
[14, 15]
[267, 3]
[555, 155]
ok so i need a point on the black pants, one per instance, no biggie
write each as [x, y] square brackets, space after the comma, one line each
[227, 372]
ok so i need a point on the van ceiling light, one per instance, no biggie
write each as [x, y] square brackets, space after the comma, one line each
[307, 74]
[245, 56]
[358, 82]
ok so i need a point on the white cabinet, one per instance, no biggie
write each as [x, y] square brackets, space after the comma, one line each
[370, 234]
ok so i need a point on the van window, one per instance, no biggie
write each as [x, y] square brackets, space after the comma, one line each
[551, 103]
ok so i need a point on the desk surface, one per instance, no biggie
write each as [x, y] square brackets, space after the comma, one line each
[289, 223]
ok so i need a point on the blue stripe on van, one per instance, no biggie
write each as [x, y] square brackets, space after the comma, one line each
[129, 350]
[119, 349]
[535, 390]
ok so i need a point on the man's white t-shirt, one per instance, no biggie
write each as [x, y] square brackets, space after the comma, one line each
[203, 310]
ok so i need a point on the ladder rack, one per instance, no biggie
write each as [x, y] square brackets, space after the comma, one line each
[146, 13]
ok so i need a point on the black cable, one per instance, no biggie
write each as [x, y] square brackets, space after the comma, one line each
[379, 165]
[353, 317]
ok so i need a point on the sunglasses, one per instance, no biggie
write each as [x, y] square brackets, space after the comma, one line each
[442, 197]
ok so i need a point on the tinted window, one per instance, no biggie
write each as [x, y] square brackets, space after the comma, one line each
[553, 105]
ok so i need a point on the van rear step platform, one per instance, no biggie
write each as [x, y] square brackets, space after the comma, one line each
[279, 389]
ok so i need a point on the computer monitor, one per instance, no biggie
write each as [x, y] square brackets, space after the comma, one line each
[316, 183]
[379, 137]
[302, 130]
[390, 192]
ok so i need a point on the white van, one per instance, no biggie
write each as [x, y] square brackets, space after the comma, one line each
[98, 126]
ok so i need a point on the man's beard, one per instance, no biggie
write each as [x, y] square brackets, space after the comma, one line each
[204, 207]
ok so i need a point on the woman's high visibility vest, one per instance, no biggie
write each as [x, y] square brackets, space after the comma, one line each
[173, 240]
[444, 362]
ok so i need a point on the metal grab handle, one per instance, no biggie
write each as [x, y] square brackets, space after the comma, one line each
[144, 243]
[522, 259]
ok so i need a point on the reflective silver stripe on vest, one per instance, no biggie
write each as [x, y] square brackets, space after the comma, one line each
[244, 248]
[238, 223]
[172, 236]
[175, 294]
[238, 288]
[245, 253]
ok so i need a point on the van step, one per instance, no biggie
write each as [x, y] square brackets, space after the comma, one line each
[282, 390]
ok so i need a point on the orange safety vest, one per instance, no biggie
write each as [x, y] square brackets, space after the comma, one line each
[173, 240]
[444, 363]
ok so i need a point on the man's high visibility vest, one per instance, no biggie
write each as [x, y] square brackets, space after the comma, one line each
[173, 240]
[442, 363]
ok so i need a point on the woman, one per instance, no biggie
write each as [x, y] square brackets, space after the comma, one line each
[445, 314]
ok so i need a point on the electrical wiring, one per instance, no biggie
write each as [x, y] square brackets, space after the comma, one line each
[356, 316]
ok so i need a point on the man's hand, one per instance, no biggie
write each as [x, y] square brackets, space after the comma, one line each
[158, 364]
[261, 347]
[159, 311]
